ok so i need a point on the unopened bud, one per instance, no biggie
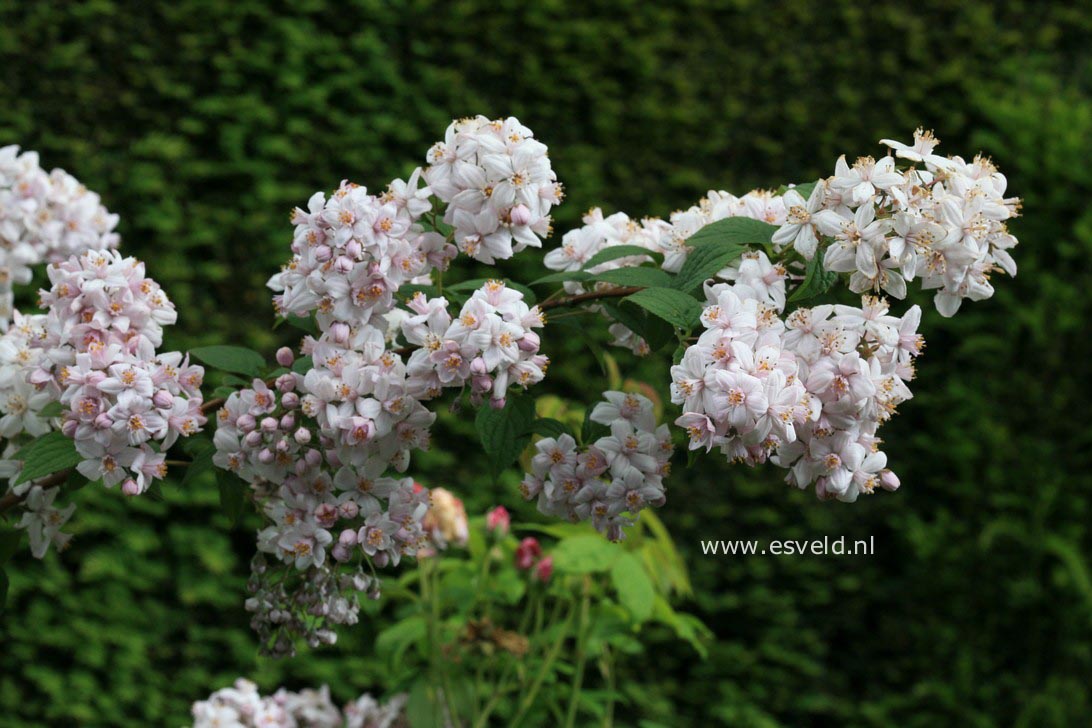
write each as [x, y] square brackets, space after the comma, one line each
[285, 357]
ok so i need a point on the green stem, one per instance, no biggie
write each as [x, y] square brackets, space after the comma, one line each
[581, 653]
[548, 663]
[608, 673]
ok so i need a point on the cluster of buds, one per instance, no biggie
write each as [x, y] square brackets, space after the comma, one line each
[529, 558]
[496, 180]
[491, 344]
[243, 706]
[44, 217]
[614, 478]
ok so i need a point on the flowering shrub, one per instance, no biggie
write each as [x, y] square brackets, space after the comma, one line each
[769, 363]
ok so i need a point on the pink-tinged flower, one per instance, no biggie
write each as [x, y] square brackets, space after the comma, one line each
[527, 553]
[544, 569]
[498, 522]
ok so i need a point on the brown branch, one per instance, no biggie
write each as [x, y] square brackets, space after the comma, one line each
[592, 296]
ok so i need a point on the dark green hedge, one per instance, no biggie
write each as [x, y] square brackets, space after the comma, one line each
[202, 123]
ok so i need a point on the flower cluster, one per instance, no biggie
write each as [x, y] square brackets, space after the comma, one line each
[353, 250]
[611, 480]
[808, 393]
[491, 344]
[44, 216]
[125, 404]
[445, 522]
[942, 219]
[243, 706]
[21, 402]
[496, 180]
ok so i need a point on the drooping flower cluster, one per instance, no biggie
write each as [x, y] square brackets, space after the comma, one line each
[808, 393]
[353, 250]
[614, 478]
[125, 404]
[496, 180]
[243, 706]
[942, 219]
[491, 344]
[44, 217]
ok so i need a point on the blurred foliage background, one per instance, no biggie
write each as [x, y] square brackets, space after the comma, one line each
[202, 123]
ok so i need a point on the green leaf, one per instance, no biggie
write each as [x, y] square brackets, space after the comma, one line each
[3, 590]
[231, 359]
[592, 431]
[305, 324]
[46, 455]
[548, 427]
[563, 276]
[673, 306]
[816, 282]
[201, 463]
[9, 543]
[805, 189]
[634, 588]
[618, 251]
[232, 494]
[53, 409]
[644, 277]
[393, 642]
[503, 432]
[419, 709]
[408, 291]
[718, 244]
[585, 554]
[303, 365]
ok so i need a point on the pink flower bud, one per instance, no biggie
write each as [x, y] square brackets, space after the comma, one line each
[285, 357]
[326, 514]
[162, 399]
[288, 422]
[520, 215]
[481, 385]
[343, 264]
[323, 253]
[888, 480]
[545, 569]
[348, 536]
[265, 456]
[269, 424]
[302, 436]
[529, 343]
[527, 552]
[130, 487]
[290, 400]
[498, 403]
[282, 445]
[252, 438]
[342, 553]
[246, 423]
[381, 559]
[497, 521]
[313, 457]
[103, 421]
[339, 332]
[348, 509]
[285, 383]
[68, 428]
[353, 249]
[478, 367]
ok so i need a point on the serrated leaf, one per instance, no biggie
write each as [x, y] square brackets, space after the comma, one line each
[635, 591]
[718, 244]
[232, 494]
[46, 455]
[226, 358]
[548, 427]
[618, 251]
[816, 282]
[562, 277]
[503, 432]
[673, 306]
[585, 554]
[643, 277]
